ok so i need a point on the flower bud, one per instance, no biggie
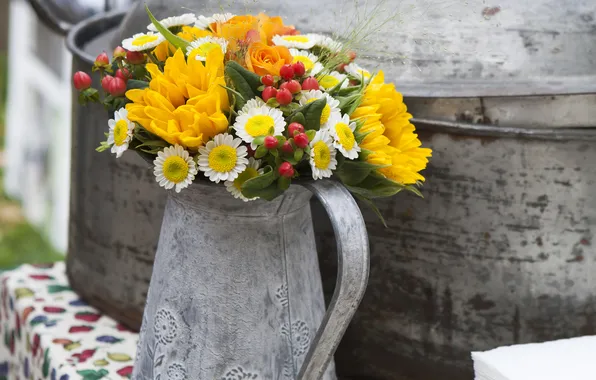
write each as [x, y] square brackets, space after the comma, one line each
[117, 87]
[119, 52]
[81, 80]
[105, 83]
[135, 57]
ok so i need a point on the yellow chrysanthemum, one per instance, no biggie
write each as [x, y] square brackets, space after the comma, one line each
[188, 33]
[392, 138]
[185, 103]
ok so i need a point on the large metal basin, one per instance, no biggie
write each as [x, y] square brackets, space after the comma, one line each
[500, 251]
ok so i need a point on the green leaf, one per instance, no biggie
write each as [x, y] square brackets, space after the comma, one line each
[373, 206]
[311, 134]
[260, 182]
[281, 140]
[136, 84]
[352, 173]
[261, 152]
[269, 193]
[312, 113]
[298, 118]
[259, 140]
[169, 36]
[414, 190]
[376, 186]
[348, 104]
[298, 154]
[273, 103]
[243, 81]
[283, 183]
[103, 146]
[274, 152]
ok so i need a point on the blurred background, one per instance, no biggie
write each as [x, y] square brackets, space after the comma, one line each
[35, 100]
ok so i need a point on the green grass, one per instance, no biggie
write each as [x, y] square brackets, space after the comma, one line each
[20, 243]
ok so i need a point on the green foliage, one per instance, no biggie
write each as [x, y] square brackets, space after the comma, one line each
[244, 83]
[169, 36]
[311, 113]
[263, 186]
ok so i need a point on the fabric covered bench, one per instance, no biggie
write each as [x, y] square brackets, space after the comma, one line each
[48, 332]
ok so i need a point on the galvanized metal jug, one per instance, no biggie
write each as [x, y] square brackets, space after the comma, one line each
[236, 290]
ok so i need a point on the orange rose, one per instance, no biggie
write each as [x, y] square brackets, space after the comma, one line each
[271, 26]
[235, 29]
[262, 59]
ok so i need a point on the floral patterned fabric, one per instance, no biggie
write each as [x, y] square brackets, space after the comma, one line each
[47, 332]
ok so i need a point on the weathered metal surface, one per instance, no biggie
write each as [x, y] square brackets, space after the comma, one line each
[115, 207]
[236, 290]
[492, 256]
[500, 251]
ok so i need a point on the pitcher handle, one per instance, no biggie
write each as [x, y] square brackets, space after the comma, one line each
[353, 268]
[47, 16]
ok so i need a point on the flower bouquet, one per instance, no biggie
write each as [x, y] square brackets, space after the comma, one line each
[253, 103]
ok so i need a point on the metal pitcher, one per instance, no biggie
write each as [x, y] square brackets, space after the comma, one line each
[236, 290]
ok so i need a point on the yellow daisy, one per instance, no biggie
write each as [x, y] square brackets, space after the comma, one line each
[223, 158]
[300, 41]
[143, 41]
[174, 21]
[120, 132]
[200, 48]
[322, 155]
[174, 167]
[328, 81]
[331, 107]
[259, 121]
[252, 170]
[310, 61]
[342, 131]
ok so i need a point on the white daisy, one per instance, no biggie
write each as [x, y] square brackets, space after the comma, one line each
[358, 72]
[223, 158]
[204, 22]
[329, 43]
[120, 132]
[342, 131]
[201, 47]
[252, 170]
[300, 41]
[252, 103]
[310, 61]
[259, 121]
[322, 155]
[171, 22]
[174, 167]
[331, 108]
[143, 41]
[328, 81]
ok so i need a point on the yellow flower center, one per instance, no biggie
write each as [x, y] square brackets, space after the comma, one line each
[120, 132]
[205, 48]
[146, 39]
[322, 155]
[345, 135]
[175, 169]
[328, 81]
[260, 125]
[245, 176]
[308, 64]
[296, 38]
[364, 73]
[223, 158]
[325, 113]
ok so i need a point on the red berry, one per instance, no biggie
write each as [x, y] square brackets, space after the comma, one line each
[293, 86]
[117, 87]
[268, 80]
[82, 80]
[123, 74]
[102, 60]
[287, 72]
[310, 83]
[271, 142]
[119, 52]
[295, 128]
[105, 82]
[301, 140]
[135, 57]
[299, 69]
[287, 147]
[352, 55]
[286, 170]
[268, 93]
[284, 96]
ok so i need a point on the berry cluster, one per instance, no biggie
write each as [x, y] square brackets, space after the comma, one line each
[290, 83]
